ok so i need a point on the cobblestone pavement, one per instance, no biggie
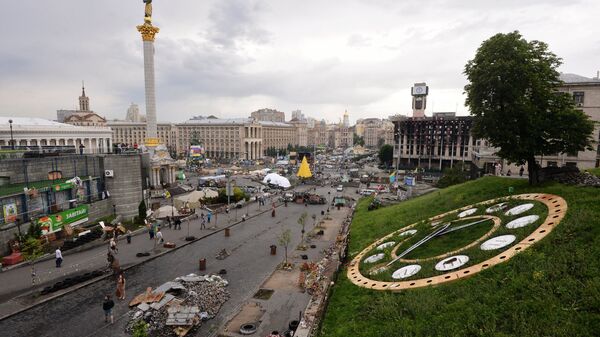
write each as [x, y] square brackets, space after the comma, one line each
[79, 313]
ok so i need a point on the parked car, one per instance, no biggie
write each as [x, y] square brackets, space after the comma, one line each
[340, 188]
[367, 192]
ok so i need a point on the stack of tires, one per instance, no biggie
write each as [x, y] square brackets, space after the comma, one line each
[91, 236]
[71, 281]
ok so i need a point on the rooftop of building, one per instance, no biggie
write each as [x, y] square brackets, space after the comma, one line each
[124, 122]
[269, 123]
[218, 121]
[32, 123]
[569, 78]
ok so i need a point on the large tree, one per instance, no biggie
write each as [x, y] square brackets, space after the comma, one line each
[512, 94]
[386, 154]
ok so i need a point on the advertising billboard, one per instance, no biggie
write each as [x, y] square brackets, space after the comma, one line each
[10, 212]
[55, 222]
[197, 151]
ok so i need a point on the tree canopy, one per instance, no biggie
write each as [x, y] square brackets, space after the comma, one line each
[386, 154]
[513, 96]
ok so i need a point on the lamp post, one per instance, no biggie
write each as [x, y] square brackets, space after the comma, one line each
[12, 141]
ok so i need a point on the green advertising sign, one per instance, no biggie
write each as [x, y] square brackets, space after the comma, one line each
[63, 186]
[55, 222]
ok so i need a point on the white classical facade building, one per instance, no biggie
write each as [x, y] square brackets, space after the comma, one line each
[37, 133]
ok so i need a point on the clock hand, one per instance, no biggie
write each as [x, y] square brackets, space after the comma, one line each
[450, 230]
[422, 241]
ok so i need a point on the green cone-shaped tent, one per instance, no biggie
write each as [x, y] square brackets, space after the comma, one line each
[304, 171]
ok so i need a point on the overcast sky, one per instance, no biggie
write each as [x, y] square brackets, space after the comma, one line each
[231, 57]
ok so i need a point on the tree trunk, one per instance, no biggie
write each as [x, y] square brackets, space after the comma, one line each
[532, 169]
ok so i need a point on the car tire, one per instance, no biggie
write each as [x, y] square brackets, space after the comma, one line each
[248, 328]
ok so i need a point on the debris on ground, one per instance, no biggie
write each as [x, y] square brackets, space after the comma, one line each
[222, 254]
[177, 307]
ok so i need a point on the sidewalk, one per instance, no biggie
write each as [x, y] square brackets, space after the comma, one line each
[18, 294]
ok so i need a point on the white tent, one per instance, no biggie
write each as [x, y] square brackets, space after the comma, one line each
[208, 193]
[276, 179]
[191, 200]
[165, 211]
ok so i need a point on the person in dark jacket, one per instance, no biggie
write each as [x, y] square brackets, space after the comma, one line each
[107, 306]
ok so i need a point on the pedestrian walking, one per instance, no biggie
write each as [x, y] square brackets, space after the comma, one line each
[107, 306]
[121, 286]
[151, 231]
[178, 224]
[169, 222]
[521, 170]
[208, 216]
[128, 236]
[112, 245]
[159, 236]
[58, 256]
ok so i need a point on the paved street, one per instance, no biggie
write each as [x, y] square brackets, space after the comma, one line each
[79, 313]
[17, 282]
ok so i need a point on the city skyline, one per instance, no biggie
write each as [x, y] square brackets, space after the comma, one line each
[228, 59]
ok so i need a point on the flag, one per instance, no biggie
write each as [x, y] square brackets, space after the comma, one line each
[393, 177]
[167, 194]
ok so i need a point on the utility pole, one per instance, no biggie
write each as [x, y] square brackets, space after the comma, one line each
[12, 141]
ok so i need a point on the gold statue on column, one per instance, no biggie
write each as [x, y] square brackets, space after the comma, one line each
[147, 29]
[148, 11]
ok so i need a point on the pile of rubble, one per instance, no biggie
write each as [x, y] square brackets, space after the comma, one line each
[579, 178]
[179, 306]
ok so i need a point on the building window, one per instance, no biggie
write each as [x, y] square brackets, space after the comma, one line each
[571, 164]
[552, 164]
[578, 98]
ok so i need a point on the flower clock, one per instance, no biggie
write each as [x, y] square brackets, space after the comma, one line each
[456, 244]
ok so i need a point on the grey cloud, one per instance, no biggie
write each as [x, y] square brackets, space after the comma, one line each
[236, 21]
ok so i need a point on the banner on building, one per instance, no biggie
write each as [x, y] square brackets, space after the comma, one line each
[10, 212]
[55, 222]
[63, 186]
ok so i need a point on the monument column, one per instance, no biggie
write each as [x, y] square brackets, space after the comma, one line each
[148, 32]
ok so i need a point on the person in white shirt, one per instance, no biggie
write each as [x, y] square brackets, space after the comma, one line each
[113, 246]
[159, 236]
[59, 258]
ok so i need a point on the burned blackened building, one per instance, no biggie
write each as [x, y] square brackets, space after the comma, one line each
[432, 142]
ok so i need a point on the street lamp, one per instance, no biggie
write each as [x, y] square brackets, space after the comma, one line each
[12, 141]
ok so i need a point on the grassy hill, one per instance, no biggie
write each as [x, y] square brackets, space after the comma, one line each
[551, 289]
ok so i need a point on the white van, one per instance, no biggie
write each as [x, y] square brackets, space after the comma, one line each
[367, 192]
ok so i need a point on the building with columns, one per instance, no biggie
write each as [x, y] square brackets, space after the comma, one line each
[375, 131]
[233, 138]
[40, 133]
[278, 135]
[131, 133]
[318, 135]
[301, 127]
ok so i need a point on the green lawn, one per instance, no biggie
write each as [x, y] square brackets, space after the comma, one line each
[551, 289]
[594, 171]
